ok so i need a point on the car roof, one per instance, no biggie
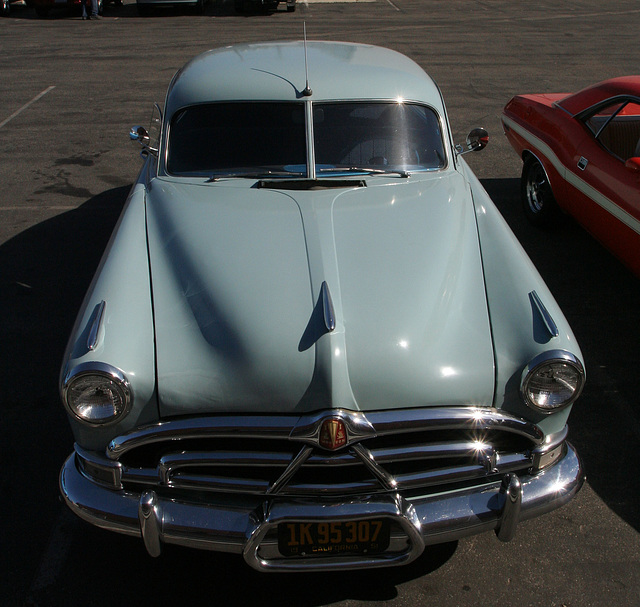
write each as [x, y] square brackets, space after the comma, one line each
[275, 71]
[591, 95]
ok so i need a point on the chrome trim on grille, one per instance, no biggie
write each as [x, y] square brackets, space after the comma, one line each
[99, 469]
[292, 468]
[407, 450]
[255, 426]
[306, 427]
[368, 459]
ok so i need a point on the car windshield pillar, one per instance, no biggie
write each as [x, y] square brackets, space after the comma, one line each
[311, 155]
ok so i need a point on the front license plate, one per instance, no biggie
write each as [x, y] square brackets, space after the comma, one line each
[302, 539]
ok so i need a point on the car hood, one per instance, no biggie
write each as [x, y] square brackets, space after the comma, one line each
[269, 299]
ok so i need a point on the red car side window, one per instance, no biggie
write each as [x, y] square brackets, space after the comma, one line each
[617, 128]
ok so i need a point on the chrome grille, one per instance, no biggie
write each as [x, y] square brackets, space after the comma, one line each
[408, 450]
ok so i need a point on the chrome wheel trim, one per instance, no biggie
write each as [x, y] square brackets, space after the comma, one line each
[536, 188]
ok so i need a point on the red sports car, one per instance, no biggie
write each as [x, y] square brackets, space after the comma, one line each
[581, 154]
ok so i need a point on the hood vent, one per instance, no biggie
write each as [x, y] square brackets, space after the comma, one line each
[310, 184]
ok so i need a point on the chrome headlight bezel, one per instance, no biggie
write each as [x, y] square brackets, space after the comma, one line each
[96, 375]
[546, 361]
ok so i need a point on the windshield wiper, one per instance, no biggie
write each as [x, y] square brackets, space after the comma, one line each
[253, 175]
[366, 170]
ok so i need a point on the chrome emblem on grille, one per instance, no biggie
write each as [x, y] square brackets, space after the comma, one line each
[333, 434]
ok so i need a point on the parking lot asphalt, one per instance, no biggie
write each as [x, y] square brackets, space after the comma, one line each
[69, 92]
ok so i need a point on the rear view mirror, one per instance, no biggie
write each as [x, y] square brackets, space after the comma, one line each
[139, 133]
[149, 139]
[477, 140]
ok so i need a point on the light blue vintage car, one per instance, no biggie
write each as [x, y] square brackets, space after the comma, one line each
[312, 338]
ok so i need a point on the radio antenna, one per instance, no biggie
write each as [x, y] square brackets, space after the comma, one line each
[307, 91]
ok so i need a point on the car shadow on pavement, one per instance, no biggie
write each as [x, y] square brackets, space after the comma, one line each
[601, 299]
[44, 273]
[93, 557]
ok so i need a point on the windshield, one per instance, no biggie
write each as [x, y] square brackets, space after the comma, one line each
[236, 138]
[254, 139]
[390, 136]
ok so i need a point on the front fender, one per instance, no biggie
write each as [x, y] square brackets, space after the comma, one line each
[125, 335]
[518, 329]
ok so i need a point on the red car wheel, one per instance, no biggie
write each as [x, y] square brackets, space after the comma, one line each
[538, 201]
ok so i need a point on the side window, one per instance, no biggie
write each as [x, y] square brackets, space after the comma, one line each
[617, 128]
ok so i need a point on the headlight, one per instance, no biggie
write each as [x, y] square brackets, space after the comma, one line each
[552, 380]
[96, 393]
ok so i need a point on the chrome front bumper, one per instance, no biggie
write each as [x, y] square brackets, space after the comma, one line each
[245, 526]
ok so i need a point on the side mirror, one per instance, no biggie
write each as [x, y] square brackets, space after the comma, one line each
[139, 133]
[633, 163]
[477, 140]
[149, 139]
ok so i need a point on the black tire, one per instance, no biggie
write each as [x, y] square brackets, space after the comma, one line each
[239, 6]
[42, 11]
[538, 201]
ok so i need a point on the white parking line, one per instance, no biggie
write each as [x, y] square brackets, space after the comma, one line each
[26, 105]
[571, 16]
[34, 207]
